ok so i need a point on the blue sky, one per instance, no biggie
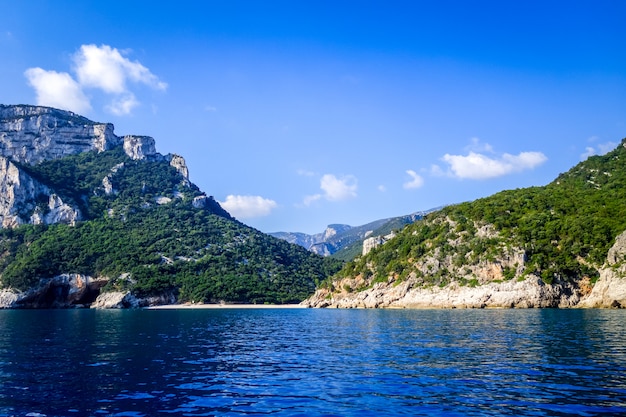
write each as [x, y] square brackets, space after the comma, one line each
[298, 114]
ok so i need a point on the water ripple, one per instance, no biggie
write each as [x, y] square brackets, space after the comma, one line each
[313, 363]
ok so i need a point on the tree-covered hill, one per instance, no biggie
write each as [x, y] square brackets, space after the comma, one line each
[560, 232]
[146, 229]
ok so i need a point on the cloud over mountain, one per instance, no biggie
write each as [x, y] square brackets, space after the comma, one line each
[248, 206]
[477, 166]
[416, 180]
[56, 89]
[100, 68]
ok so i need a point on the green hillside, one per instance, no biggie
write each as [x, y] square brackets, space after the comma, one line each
[150, 245]
[560, 232]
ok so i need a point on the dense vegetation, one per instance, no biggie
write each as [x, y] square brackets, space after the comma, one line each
[564, 231]
[150, 247]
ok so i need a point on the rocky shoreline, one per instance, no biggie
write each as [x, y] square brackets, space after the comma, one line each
[609, 291]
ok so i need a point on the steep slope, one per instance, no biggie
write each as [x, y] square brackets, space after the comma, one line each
[535, 247]
[112, 222]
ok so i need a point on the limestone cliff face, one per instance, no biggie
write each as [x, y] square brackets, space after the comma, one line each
[531, 292]
[610, 290]
[178, 162]
[139, 147]
[74, 290]
[30, 135]
[25, 200]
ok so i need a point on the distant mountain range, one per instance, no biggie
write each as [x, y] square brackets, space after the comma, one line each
[344, 242]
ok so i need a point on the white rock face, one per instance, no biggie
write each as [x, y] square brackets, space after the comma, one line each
[116, 299]
[160, 200]
[179, 163]
[119, 299]
[57, 212]
[139, 147]
[608, 292]
[31, 134]
[530, 293]
[373, 242]
[321, 249]
[65, 290]
[8, 298]
[370, 243]
[200, 201]
[20, 195]
[610, 289]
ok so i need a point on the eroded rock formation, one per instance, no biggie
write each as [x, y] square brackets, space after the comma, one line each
[531, 292]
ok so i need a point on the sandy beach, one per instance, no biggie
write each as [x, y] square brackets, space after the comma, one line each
[223, 306]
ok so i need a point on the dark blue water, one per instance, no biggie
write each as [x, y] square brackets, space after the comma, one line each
[312, 362]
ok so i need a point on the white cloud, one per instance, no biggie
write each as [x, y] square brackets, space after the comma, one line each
[97, 67]
[334, 189]
[310, 199]
[601, 149]
[248, 206]
[123, 105]
[478, 166]
[57, 89]
[416, 180]
[381, 188]
[338, 189]
[105, 68]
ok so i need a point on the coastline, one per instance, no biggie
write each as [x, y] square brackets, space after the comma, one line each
[189, 306]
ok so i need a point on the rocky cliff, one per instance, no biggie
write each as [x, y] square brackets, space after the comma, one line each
[30, 135]
[91, 219]
[530, 292]
[560, 245]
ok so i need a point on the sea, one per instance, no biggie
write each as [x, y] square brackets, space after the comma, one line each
[312, 362]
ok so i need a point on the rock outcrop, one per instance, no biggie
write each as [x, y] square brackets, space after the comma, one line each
[531, 292]
[61, 291]
[25, 200]
[610, 289]
[139, 147]
[30, 135]
[77, 290]
[178, 162]
[114, 300]
[375, 241]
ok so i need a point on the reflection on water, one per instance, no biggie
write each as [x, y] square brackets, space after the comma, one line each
[313, 362]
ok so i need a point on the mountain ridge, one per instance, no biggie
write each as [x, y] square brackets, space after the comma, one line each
[93, 219]
[560, 245]
[344, 241]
